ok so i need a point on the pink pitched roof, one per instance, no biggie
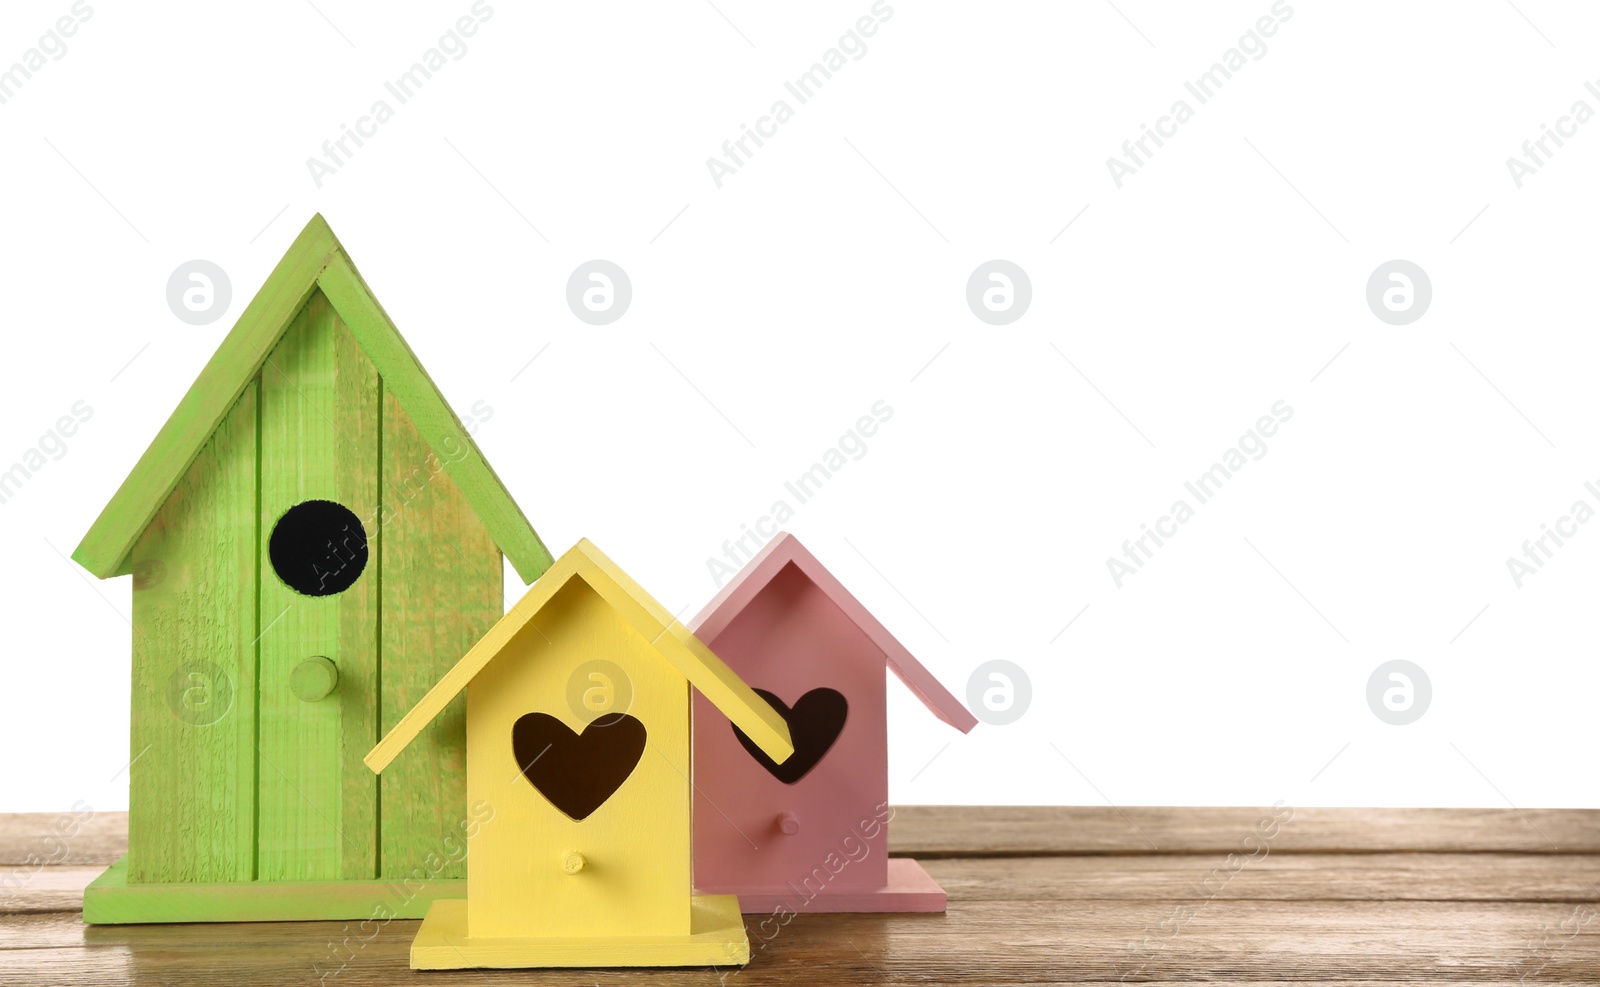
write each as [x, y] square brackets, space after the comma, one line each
[785, 550]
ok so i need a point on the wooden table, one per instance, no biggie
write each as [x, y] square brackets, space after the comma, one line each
[1037, 895]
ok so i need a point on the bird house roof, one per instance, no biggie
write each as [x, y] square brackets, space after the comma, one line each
[786, 550]
[316, 260]
[704, 670]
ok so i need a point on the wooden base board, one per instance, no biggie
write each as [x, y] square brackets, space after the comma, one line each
[111, 900]
[910, 889]
[716, 938]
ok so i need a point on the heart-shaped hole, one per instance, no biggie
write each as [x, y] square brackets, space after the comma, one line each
[814, 724]
[577, 772]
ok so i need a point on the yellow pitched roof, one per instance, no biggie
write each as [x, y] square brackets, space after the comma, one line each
[704, 670]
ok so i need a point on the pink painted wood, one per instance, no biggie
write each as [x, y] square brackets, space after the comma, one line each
[910, 889]
[788, 627]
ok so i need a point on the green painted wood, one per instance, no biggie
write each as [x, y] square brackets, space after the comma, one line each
[319, 441]
[437, 424]
[443, 588]
[112, 900]
[276, 791]
[314, 260]
[192, 778]
[314, 679]
[104, 549]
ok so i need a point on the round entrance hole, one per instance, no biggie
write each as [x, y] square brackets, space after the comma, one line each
[318, 548]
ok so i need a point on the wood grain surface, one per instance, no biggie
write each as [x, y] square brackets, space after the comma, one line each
[194, 666]
[317, 808]
[1037, 896]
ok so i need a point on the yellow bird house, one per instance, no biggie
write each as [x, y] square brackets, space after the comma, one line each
[578, 787]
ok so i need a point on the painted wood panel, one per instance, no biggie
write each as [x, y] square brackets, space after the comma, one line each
[635, 877]
[191, 781]
[433, 418]
[106, 548]
[320, 441]
[789, 639]
[443, 588]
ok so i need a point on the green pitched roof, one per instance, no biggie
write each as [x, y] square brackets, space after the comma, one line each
[315, 260]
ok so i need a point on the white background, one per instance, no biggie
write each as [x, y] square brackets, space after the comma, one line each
[825, 276]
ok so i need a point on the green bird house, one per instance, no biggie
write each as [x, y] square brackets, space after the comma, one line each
[314, 539]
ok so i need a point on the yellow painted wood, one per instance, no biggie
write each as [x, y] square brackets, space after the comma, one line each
[647, 617]
[636, 845]
[319, 439]
[716, 938]
[614, 888]
[192, 783]
[704, 670]
[443, 588]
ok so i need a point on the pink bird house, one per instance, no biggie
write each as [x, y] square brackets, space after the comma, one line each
[809, 834]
